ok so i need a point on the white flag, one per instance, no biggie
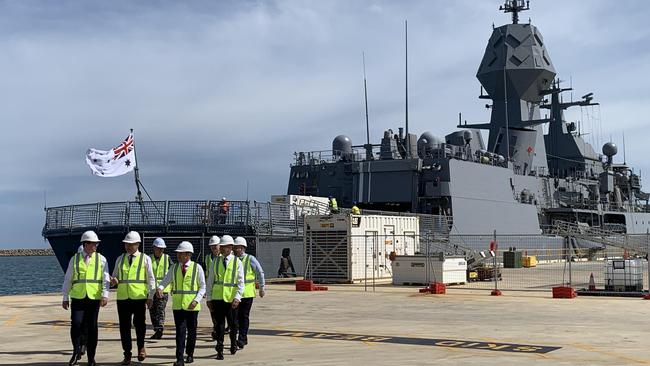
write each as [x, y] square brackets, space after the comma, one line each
[113, 163]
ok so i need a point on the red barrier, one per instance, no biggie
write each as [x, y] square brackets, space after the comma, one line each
[564, 292]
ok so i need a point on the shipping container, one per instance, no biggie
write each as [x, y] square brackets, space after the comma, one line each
[346, 248]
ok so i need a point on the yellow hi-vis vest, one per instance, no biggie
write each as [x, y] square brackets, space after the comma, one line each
[160, 267]
[225, 280]
[209, 261]
[87, 279]
[249, 277]
[132, 283]
[184, 288]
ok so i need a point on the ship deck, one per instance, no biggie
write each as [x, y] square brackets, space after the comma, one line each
[345, 325]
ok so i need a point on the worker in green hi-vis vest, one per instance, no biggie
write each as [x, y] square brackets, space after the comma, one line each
[225, 288]
[210, 258]
[136, 285]
[161, 263]
[87, 283]
[253, 273]
[188, 288]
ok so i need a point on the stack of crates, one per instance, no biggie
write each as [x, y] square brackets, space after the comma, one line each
[623, 275]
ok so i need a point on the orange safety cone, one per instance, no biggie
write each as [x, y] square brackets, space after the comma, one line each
[592, 283]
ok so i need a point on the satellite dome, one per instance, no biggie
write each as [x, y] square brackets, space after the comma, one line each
[610, 149]
[427, 142]
[342, 145]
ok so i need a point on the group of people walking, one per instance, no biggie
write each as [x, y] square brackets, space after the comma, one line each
[228, 284]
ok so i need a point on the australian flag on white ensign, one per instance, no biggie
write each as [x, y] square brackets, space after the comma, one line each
[115, 162]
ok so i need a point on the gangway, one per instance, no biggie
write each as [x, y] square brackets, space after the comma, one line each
[636, 244]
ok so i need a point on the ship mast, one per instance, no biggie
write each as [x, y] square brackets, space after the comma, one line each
[514, 7]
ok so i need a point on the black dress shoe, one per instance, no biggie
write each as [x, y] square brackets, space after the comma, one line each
[126, 360]
[157, 335]
[92, 363]
[189, 359]
[74, 359]
[227, 330]
[240, 344]
[179, 363]
[219, 355]
[233, 349]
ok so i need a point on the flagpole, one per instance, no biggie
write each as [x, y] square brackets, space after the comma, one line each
[138, 196]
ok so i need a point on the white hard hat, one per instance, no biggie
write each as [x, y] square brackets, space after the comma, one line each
[185, 247]
[132, 237]
[240, 241]
[89, 236]
[159, 243]
[214, 240]
[227, 240]
[80, 249]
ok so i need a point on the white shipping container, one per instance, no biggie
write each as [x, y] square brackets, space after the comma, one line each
[353, 248]
[302, 205]
[415, 269]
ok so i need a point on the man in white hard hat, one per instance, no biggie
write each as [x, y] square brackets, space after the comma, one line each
[213, 244]
[136, 285]
[253, 272]
[87, 283]
[224, 292]
[161, 263]
[188, 288]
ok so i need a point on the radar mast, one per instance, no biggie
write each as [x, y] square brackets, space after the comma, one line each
[514, 7]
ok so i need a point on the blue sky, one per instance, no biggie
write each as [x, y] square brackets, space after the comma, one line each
[220, 93]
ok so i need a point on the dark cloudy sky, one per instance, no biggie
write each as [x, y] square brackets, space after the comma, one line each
[220, 93]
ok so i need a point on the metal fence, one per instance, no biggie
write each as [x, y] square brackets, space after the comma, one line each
[540, 262]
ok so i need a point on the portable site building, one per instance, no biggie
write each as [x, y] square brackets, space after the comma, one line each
[344, 248]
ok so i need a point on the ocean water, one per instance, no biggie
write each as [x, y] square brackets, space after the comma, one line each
[30, 275]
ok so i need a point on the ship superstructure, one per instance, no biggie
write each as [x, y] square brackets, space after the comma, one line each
[520, 182]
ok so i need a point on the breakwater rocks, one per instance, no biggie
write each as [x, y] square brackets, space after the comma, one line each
[25, 252]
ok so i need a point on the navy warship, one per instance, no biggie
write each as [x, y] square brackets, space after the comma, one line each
[521, 182]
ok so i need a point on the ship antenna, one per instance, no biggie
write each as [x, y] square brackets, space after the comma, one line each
[406, 87]
[624, 159]
[365, 96]
[514, 7]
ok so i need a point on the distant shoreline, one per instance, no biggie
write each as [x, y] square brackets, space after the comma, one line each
[26, 252]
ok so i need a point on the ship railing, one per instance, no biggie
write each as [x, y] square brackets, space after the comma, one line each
[173, 215]
[278, 219]
[330, 156]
